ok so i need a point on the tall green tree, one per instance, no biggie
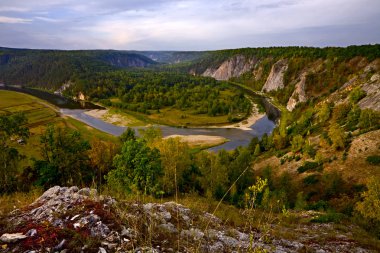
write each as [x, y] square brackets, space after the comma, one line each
[65, 158]
[175, 160]
[137, 168]
[12, 127]
[128, 134]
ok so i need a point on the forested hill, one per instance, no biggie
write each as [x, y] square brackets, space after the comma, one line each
[214, 58]
[292, 75]
[172, 57]
[51, 68]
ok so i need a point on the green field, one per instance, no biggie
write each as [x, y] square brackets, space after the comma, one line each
[176, 117]
[40, 114]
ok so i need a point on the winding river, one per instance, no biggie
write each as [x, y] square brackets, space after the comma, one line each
[236, 137]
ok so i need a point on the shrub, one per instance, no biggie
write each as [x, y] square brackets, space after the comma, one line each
[310, 166]
[328, 217]
[374, 159]
[369, 208]
[297, 143]
[310, 180]
[356, 94]
[320, 205]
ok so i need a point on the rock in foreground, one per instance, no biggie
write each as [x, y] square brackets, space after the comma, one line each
[79, 220]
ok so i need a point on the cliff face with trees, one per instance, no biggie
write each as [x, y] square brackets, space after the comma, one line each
[292, 75]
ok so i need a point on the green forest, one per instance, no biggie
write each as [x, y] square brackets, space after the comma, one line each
[147, 91]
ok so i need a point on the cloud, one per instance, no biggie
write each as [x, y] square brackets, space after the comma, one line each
[11, 20]
[45, 19]
[187, 24]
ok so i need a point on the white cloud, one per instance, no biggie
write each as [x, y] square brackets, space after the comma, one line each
[189, 24]
[11, 20]
[45, 19]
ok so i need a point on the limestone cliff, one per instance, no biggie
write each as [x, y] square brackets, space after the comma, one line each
[372, 99]
[233, 67]
[299, 94]
[372, 87]
[275, 79]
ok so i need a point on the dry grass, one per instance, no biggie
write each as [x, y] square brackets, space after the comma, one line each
[17, 200]
[356, 167]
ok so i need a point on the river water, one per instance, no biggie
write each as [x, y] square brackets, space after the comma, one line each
[236, 137]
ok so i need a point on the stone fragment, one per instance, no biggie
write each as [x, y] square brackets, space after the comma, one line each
[102, 250]
[32, 232]
[9, 238]
[60, 245]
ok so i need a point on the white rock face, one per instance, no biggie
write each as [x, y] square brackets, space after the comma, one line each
[372, 99]
[275, 79]
[299, 94]
[233, 67]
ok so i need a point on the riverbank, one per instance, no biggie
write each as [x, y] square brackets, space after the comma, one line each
[114, 117]
[126, 120]
[200, 141]
[247, 123]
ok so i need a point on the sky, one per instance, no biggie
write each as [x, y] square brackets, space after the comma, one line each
[187, 24]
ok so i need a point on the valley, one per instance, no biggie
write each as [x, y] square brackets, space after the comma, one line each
[281, 144]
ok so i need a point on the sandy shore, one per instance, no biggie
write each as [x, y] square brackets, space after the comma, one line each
[113, 118]
[200, 140]
[245, 124]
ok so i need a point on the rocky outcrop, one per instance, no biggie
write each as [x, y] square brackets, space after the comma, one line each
[368, 81]
[372, 98]
[275, 79]
[80, 220]
[233, 67]
[81, 96]
[299, 94]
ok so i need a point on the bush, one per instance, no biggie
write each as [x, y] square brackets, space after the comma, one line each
[374, 160]
[310, 166]
[310, 180]
[328, 217]
[356, 94]
[319, 206]
[368, 209]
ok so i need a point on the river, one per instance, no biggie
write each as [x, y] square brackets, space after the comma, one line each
[236, 137]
